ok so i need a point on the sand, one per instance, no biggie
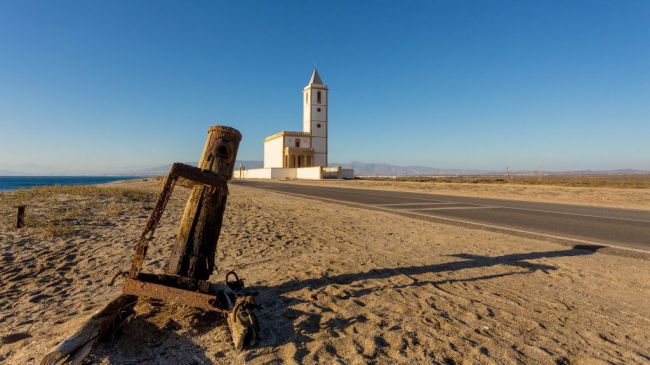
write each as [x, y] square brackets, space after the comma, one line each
[336, 285]
[629, 198]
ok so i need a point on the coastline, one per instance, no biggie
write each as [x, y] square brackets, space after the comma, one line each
[12, 183]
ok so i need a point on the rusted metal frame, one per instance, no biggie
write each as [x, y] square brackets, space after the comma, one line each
[178, 170]
[152, 223]
[173, 295]
[179, 282]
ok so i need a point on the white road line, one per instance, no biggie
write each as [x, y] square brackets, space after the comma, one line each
[450, 208]
[397, 204]
[484, 225]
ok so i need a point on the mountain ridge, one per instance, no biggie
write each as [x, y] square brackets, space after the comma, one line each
[360, 169]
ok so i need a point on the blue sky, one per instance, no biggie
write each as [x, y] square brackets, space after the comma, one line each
[455, 84]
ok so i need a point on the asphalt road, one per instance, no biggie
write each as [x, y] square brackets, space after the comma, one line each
[573, 224]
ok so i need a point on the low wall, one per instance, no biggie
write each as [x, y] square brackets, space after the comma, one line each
[309, 173]
[304, 173]
[267, 173]
[255, 174]
[280, 173]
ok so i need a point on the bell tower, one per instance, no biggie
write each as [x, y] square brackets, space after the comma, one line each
[314, 117]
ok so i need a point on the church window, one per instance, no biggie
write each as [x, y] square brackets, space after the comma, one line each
[297, 142]
[318, 109]
[318, 125]
[318, 97]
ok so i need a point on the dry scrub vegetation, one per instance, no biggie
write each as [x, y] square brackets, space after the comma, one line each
[639, 181]
[57, 211]
[615, 191]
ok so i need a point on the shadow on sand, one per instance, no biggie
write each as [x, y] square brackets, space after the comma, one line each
[281, 324]
[277, 317]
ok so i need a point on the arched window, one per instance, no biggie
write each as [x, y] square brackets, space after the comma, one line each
[318, 97]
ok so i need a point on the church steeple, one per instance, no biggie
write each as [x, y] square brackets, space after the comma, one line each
[315, 79]
[314, 117]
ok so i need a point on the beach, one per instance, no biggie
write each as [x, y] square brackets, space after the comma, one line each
[335, 285]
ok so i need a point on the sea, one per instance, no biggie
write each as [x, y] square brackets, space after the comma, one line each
[17, 182]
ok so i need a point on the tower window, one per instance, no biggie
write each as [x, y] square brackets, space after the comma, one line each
[318, 97]
[297, 142]
[318, 109]
[318, 125]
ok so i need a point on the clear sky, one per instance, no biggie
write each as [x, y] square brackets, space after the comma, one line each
[452, 84]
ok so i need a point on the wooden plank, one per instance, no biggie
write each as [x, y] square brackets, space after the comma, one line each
[76, 347]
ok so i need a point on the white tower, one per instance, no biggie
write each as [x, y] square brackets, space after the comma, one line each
[314, 117]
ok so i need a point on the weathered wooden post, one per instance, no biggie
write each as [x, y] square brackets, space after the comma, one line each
[20, 216]
[196, 240]
[192, 259]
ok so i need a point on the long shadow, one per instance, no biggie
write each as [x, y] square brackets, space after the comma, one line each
[277, 317]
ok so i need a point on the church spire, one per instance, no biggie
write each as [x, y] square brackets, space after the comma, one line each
[315, 79]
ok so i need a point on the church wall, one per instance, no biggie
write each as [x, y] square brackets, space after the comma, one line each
[310, 110]
[319, 144]
[291, 141]
[319, 115]
[317, 131]
[320, 159]
[273, 153]
[313, 99]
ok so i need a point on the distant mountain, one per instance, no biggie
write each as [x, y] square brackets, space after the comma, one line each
[249, 164]
[36, 170]
[382, 169]
[360, 169]
[164, 169]
[598, 172]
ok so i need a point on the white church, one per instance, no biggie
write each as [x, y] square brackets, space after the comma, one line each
[301, 155]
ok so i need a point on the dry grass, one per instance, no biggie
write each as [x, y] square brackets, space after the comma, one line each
[55, 211]
[637, 181]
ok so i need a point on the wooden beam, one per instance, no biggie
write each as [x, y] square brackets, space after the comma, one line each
[198, 234]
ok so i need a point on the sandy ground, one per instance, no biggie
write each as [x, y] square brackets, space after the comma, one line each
[606, 197]
[336, 285]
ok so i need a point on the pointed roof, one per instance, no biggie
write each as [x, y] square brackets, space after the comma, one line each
[315, 79]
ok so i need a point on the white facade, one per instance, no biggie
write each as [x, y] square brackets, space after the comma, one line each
[273, 153]
[305, 153]
[288, 150]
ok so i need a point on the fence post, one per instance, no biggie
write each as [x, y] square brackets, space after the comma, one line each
[20, 217]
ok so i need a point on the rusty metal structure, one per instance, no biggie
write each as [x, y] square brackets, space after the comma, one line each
[192, 261]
